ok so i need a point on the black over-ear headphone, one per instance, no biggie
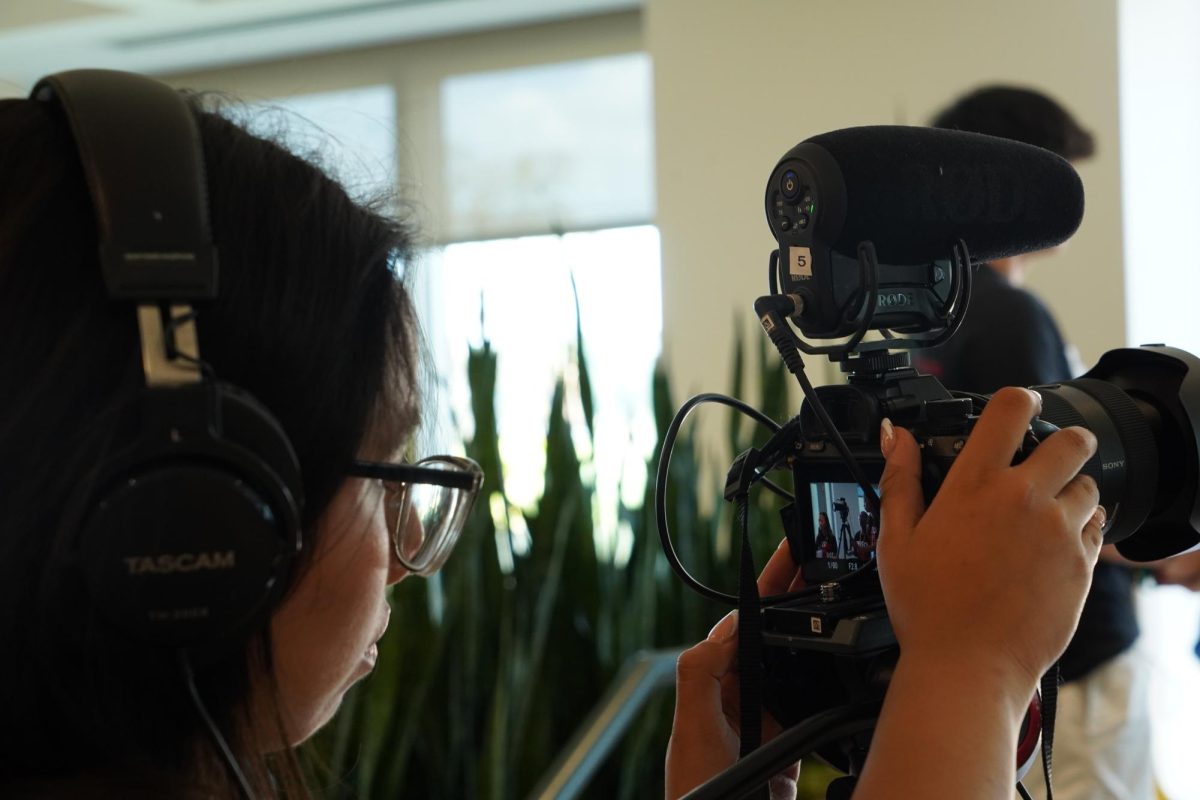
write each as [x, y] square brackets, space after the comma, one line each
[187, 533]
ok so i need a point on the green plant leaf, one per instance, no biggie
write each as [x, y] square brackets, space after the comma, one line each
[736, 420]
[585, 382]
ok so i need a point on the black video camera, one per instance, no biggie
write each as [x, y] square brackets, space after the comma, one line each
[876, 230]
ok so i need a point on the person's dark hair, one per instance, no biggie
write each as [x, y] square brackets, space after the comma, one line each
[312, 319]
[1023, 115]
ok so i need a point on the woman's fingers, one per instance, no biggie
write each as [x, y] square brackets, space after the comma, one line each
[699, 670]
[1093, 533]
[1056, 461]
[1079, 500]
[998, 434]
[702, 742]
[779, 574]
[900, 491]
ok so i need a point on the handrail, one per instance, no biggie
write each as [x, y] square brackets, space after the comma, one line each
[640, 676]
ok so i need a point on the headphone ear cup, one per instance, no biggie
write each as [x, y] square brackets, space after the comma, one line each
[184, 553]
[190, 539]
[248, 424]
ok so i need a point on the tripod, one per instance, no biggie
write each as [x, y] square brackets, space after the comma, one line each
[845, 540]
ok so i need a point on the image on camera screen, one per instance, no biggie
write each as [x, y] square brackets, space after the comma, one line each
[844, 529]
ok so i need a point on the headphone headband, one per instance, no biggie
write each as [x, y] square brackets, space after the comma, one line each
[143, 161]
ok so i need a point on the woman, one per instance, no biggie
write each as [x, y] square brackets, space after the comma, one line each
[826, 545]
[313, 321]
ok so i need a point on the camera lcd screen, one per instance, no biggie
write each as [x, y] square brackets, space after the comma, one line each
[842, 529]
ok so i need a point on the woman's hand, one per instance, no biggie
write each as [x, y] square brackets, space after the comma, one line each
[1180, 570]
[998, 567]
[984, 591]
[704, 737]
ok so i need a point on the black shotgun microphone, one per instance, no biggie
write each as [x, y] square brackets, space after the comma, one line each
[916, 195]
[913, 192]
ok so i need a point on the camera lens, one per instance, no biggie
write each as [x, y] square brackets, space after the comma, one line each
[1143, 405]
[1126, 463]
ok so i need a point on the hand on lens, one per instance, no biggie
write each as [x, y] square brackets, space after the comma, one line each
[704, 736]
[1181, 570]
[993, 575]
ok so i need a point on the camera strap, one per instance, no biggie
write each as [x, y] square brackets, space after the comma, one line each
[1050, 683]
[750, 644]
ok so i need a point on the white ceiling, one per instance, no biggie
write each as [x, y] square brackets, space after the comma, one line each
[42, 36]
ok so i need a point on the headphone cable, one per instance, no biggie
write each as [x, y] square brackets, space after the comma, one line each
[189, 678]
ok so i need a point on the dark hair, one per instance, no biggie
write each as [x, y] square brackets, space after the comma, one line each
[1023, 115]
[312, 319]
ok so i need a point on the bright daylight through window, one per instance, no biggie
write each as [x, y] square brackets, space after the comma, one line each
[551, 200]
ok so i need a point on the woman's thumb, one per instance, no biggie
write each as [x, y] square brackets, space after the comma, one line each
[699, 670]
[900, 494]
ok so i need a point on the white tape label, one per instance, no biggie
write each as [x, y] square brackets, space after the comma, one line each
[799, 262]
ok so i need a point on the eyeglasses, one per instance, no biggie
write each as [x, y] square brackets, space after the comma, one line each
[426, 505]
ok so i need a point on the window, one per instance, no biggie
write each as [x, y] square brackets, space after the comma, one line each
[536, 185]
[524, 289]
[550, 148]
[351, 133]
[548, 175]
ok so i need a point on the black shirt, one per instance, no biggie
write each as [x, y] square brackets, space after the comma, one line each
[1008, 338]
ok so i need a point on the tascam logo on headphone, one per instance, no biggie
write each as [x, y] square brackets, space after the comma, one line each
[169, 563]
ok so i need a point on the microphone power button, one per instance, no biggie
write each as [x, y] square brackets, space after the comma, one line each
[789, 184]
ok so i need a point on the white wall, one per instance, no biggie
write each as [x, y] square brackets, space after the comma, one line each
[738, 83]
[1160, 125]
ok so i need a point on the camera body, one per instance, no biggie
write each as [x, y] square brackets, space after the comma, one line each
[1143, 405]
[841, 640]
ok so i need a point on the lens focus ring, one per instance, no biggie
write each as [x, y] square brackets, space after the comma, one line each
[1125, 466]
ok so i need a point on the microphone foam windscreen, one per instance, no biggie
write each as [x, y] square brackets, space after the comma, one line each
[914, 191]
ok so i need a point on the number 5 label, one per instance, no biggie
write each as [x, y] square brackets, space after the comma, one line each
[799, 262]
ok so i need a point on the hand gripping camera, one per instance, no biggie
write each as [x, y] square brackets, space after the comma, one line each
[879, 229]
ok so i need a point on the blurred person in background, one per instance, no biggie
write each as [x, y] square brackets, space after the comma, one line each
[1010, 338]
